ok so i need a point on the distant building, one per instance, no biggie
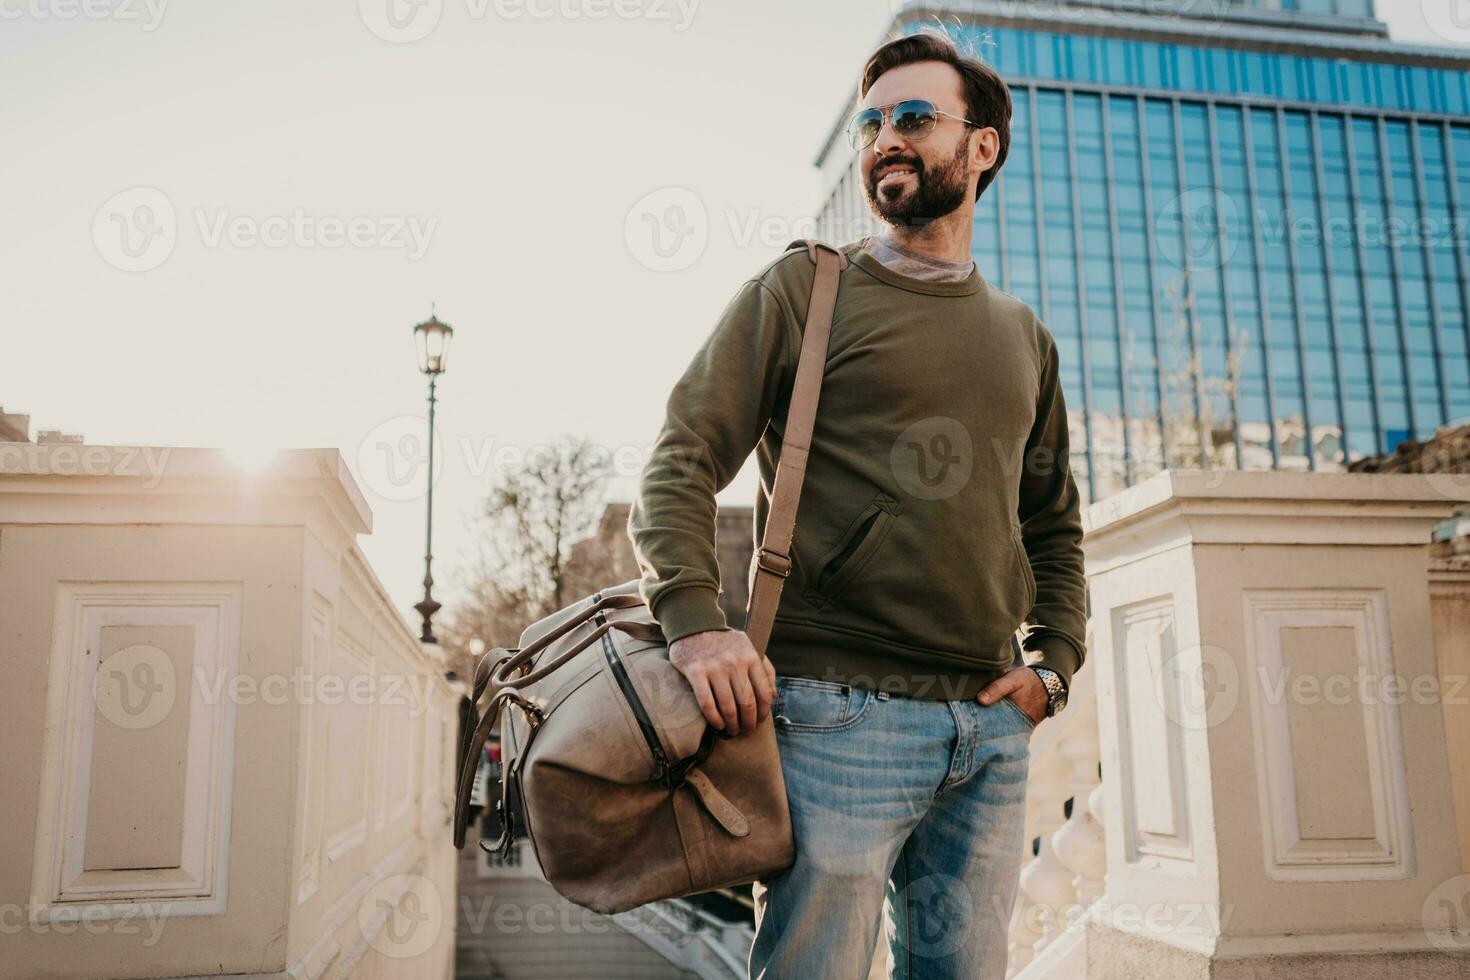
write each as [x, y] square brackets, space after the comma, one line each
[1447, 451]
[1244, 225]
[1447, 456]
[16, 427]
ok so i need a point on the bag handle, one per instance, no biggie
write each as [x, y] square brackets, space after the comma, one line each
[773, 557]
[505, 665]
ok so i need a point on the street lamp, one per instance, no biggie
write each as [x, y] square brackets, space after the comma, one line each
[432, 338]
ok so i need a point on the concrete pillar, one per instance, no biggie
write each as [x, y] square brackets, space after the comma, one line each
[1449, 600]
[1276, 787]
[225, 751]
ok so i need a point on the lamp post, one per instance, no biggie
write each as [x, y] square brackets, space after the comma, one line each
[477, 650]
[432, 338]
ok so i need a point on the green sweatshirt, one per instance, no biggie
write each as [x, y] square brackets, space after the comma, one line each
[939, 512]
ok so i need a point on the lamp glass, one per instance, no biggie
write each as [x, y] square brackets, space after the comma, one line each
[432, 338]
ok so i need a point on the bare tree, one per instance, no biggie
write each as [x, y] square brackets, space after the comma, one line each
[524, 531]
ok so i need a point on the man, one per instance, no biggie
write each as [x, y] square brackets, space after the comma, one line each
[938, 515]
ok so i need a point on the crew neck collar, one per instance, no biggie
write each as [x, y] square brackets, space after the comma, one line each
[863, 259]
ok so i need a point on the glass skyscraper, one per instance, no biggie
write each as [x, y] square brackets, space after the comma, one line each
[1244, 224]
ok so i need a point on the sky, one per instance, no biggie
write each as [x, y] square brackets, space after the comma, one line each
[221, 221]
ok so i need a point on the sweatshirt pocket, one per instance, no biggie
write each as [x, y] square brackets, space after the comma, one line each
[855, 547]
[1028, 576]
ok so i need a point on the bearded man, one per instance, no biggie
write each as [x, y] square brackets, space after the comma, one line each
[938, 517]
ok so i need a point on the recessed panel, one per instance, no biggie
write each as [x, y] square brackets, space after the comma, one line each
[140, 747]
[138, 756]
[1149, 694]
[1329, 753]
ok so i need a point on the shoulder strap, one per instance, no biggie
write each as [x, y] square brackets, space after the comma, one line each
[773, 558]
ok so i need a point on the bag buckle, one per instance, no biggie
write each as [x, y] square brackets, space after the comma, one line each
[774, 562]
[535, 715]
[672, 776]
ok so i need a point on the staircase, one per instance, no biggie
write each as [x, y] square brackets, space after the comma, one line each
[514, 926]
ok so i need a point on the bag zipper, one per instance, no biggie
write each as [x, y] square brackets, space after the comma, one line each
[630, 694]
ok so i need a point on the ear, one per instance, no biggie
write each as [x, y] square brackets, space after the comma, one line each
[984, 148]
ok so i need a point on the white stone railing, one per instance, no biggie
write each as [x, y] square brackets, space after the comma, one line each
[226, 751]
[1263, 694]
[1064, 875]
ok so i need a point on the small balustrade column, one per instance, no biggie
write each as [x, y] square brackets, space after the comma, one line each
[1079, 843]
[1046, 884]
[1025, 931]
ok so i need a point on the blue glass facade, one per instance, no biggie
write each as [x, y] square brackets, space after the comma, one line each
[1248, 258]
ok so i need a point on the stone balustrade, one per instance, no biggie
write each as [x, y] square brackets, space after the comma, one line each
[1274, 665]
[1276, 795]
[226, 752]
[1068, 859]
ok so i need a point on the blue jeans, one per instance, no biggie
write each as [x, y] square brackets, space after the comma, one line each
[905, 810]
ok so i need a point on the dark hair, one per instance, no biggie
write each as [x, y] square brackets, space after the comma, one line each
[987, 97]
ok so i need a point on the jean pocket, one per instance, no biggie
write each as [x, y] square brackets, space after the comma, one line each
[803, 704]
[1030, 725]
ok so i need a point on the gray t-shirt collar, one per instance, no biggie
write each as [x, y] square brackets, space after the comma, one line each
[909, 263]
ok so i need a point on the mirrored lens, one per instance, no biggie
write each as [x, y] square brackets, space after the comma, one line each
[864, 127]
[914, 119]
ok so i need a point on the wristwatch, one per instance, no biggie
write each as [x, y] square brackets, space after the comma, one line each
[1056, 691]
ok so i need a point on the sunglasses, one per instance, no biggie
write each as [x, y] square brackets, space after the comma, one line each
[913, 119]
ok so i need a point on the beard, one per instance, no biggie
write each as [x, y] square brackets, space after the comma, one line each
[939, 191]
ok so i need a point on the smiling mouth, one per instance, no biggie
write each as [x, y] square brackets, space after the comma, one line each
[894, 173]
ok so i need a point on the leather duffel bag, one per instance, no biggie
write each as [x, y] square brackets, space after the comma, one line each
[628, 794]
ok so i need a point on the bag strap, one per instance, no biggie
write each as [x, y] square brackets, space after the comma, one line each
[773, 557]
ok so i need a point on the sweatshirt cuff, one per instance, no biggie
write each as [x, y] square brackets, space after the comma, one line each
[692, 609]
[1055, 653]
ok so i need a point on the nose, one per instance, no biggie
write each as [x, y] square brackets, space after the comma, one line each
[888, 141]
